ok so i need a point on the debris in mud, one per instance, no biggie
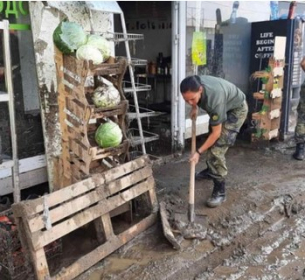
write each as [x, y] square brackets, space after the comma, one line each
[190, 230]
[178, 222]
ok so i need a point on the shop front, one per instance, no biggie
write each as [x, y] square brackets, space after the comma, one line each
[181, 38]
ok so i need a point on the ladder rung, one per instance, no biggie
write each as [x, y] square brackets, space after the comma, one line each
[4, 97]
[6, 164]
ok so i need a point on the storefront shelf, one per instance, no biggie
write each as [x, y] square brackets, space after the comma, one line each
[127, 87]
[135, 138]
[144, 112]
[121, 37]
[138, 62]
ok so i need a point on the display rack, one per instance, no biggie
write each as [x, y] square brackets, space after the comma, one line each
[267, 120]
[80, 118]
[130, 86]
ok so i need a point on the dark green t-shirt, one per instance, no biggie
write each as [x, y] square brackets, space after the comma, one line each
[219, 97]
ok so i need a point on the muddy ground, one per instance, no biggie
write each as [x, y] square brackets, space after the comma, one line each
[258, 233]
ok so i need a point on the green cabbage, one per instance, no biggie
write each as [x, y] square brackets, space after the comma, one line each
[69, 36]
[87, 52]
[108, 135]
[106, 96]
[101, 43]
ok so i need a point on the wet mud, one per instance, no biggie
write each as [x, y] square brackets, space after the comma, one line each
[258, 233]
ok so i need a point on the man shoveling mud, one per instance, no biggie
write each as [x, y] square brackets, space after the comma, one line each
[227, 108]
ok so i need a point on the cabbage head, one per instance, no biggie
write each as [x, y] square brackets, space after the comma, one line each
[106, 96]
[108, 135]
[69, 36]
[87, 52]
[101, 43]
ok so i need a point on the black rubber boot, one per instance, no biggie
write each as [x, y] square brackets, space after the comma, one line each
[299, 152]
[203, 175]
[218, 195]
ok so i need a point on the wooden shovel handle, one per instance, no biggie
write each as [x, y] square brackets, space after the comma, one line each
[192, 175]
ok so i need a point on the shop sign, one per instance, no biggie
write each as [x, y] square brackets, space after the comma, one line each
[264, 45]
[14, 9]
[199, 55]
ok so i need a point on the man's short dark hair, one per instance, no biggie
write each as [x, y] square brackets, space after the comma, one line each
[191, 83]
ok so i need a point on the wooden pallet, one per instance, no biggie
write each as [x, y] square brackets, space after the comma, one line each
[72, 207]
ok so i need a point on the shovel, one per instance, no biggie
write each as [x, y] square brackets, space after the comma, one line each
[190, 229]
[191, 208]
[186, 225]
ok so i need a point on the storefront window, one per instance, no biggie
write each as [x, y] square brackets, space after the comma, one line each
[224, 29]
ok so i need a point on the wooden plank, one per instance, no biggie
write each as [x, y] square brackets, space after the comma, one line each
[27, 179]
[122, 170]
[127, 181]
[38, 257]
[36, 205]
[120, 210]
[26, 165]
[24, 243]
[66, 209]
[107, 225]
[42, 238]
[40, 265]
[104, 250]
[99, 153]
[153, 200]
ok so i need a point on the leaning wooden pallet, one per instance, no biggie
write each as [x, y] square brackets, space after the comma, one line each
[90, 200]
[80, 118]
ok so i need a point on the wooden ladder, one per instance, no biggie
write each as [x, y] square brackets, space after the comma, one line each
[8, 97]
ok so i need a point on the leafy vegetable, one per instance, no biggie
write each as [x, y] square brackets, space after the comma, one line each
[108, 135]
[87, 52]
[264, 80]
[100, 43]
[69, 36]
[106, 96]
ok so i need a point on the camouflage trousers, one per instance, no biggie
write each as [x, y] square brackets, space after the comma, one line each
[216, 161]
[300, 127]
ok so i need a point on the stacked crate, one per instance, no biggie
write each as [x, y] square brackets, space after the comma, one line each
[80, 118]
[267, 120]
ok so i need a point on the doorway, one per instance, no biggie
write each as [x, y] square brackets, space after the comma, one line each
[152, 19]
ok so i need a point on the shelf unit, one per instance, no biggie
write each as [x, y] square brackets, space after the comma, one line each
[131, 86]
[8, 97]
[267, 120]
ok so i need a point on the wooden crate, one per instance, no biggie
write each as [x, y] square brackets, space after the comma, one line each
[76, 72]
[89, 200]
[76, 111]
[267, 120]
